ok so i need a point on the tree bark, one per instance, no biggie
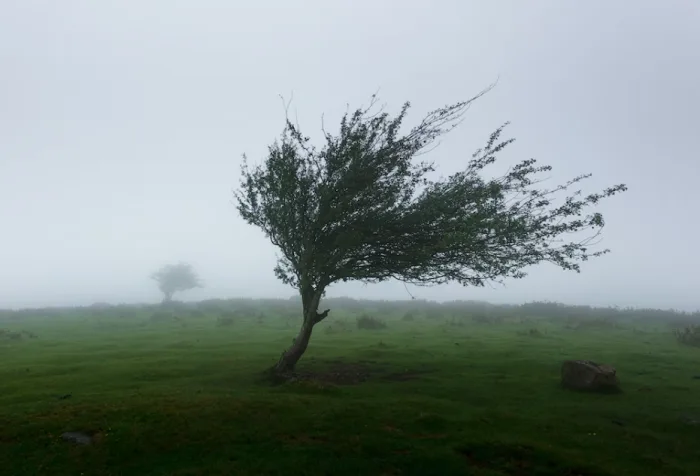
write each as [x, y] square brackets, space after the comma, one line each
[310, 301]
[291, 356]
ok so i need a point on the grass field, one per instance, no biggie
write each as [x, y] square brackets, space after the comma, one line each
[180, 394]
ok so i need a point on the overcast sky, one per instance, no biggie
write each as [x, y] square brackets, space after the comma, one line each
[122, 125]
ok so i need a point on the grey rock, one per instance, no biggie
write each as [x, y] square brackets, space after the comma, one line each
[77, 437]
[586, 375]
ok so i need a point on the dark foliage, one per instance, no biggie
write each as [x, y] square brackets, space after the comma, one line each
[359, 208]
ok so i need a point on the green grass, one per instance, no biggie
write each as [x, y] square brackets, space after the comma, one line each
[185, 398]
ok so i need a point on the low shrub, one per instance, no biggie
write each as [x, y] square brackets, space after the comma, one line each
[370, 323]
[688, 335]
[225, 321]
[14, 335]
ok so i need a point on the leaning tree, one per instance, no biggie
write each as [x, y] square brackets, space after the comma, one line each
[362, 208]
[174, 278]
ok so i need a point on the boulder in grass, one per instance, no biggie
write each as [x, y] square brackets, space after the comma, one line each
[585, 375]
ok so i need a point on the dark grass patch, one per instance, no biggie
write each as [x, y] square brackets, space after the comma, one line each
[310, 386]
[341, 372]
[167, 408]
[520, 460]
[406, 375]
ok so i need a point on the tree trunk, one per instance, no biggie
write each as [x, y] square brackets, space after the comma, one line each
[310, 301]
[291, 356]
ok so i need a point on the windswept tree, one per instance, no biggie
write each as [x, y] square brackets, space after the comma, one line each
[174, 278]
[361, 207]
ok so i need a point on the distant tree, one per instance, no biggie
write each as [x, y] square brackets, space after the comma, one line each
[174, 278]
[359, 208]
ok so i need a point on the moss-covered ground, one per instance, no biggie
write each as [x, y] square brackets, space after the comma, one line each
[184, 396]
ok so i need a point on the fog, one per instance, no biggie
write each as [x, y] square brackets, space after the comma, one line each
[122, 125]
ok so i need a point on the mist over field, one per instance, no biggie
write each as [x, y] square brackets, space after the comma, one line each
[382, 238]
[122, 126]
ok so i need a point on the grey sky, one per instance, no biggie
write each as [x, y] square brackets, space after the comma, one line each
[122, 124]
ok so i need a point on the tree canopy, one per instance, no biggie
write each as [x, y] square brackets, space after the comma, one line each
[362, 207]
[174, 278]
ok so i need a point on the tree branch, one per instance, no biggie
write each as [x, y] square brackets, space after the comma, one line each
[321, 316]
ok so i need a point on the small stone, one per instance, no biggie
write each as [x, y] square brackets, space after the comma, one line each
[77, 437]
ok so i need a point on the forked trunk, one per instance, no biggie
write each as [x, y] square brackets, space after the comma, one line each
[288, 361]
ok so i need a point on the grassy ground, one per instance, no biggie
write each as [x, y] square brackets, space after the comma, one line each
[183, 398]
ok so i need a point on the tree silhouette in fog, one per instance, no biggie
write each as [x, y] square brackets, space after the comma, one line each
[174, 278]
